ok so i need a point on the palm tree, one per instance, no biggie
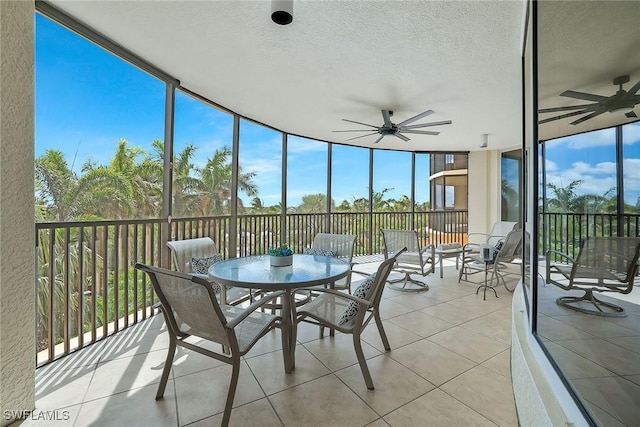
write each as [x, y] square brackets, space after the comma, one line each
[145, 177]
[257, 205]
[565, 197]
[185, 182]
[68, 197]
[214, 186]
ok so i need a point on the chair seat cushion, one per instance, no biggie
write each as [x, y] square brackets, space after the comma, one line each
[201, 265]
[322, 252]
[363, 291]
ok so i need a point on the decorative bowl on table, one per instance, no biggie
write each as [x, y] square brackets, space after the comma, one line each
[280, 256]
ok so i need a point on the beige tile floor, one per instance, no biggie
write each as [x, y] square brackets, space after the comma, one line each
[449, 366]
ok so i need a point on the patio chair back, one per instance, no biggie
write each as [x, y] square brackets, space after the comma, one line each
[413, 260]
[342, 247]
[499, 231]
[382, 274]
[395, 240]
[603, 258]
[340, 244]
[189, 304]
[183, 250]
[511, 248]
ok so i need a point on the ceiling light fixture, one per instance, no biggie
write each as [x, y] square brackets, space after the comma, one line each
[484, 140]
[282, 11]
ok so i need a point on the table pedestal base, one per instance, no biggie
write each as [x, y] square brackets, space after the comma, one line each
[288, 331]
[486, 285]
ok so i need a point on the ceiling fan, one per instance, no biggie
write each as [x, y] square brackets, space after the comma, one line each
[397, 130]
[621, 101]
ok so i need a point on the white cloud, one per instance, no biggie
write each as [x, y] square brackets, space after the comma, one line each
[631, 134]
[261, 165]
[600, 138]
[550, 166]
[631, 174]
[599, 168]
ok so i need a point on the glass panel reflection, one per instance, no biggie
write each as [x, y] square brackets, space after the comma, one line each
[587, 60]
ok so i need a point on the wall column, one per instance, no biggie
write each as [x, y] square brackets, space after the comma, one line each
[483, 189]
[17, 229]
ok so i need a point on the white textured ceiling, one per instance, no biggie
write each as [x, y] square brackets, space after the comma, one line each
[338, 59]
[583, 46]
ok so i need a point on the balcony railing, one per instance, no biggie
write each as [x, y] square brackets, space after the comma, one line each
[88, 289]
[564, 232]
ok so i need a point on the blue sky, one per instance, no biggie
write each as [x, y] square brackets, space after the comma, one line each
[591, 158]
[87, 100]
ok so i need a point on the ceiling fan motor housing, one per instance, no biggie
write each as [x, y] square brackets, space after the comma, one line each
[397, 130]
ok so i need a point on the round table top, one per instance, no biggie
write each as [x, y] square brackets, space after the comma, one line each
[256, 272]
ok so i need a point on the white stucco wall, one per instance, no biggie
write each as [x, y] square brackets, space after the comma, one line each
[17, 299]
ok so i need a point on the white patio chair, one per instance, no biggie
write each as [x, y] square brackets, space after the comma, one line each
[507, 259]
[205, 252]
[499, 230]
[338, 246]
[414, 260]
[604, 264]
[350, 314]
[191, 309]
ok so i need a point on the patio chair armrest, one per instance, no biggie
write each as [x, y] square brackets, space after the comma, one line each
[429, 247]
[467, 246]
[484, 236]
[251, 308]
[361, 273]
[337, 293]
[558, 253]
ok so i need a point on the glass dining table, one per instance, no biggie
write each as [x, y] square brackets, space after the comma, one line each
[256, 272]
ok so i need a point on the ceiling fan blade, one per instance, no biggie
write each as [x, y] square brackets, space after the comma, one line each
[401, 136]
[588, 107]
[424, 125]
[361, 136]
[634, 88]
[417, 117]
[563, 116]
[353, 130]
[588, 116]
[422, 132]
[359, 123]
[379, 139]
[387, 118]
[585, 96]
[630, 114]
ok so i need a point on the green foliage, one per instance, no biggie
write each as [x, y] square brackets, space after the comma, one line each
[282, 250]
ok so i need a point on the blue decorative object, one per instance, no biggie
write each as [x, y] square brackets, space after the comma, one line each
[283, 250]
[281, 256]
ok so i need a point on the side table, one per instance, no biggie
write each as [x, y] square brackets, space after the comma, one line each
[448, 250]
[487, 285]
